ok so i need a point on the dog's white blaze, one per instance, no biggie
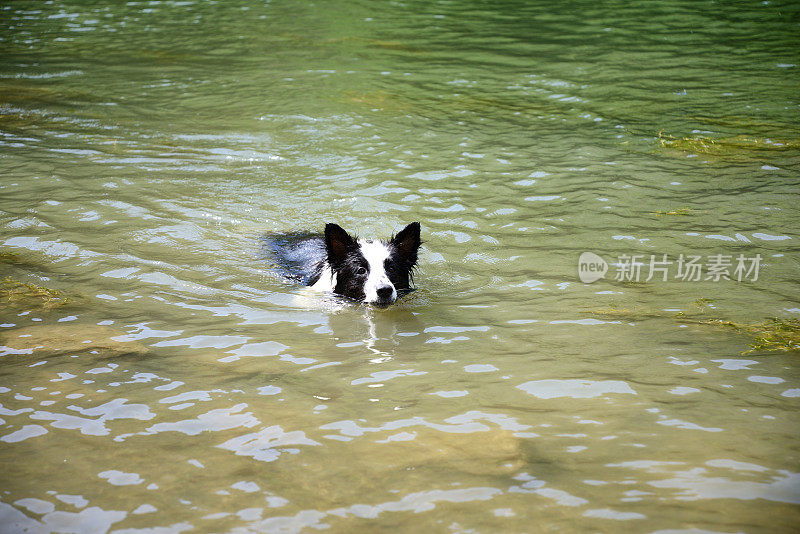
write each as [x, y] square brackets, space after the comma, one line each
[327, 280]
[376, 253]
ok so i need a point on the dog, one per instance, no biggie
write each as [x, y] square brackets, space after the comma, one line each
[369, 271]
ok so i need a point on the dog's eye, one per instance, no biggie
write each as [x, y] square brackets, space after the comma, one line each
[361, 270]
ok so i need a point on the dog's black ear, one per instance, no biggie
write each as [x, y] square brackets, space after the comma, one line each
[407, 241]
[338, 243]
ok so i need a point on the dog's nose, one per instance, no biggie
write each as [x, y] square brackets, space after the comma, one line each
[385, 292]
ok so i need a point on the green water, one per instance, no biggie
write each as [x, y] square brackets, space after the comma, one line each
[172, 382]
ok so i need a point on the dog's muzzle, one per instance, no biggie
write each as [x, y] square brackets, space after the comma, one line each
[386, 296]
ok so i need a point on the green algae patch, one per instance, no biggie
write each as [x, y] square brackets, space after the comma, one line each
[19, 295]
[773, 335]
[674, 212]
[703, 302]
[740, 147]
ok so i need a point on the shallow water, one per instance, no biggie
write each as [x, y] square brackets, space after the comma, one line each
[177, 382]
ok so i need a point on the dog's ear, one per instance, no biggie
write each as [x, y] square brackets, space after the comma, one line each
[338, 242]
[407, 241]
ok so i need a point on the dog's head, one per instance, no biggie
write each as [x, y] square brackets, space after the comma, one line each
[374, 272]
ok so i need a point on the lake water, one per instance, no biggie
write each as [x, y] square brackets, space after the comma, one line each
[156, 375]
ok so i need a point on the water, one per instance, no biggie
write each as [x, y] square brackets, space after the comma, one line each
[147, 147]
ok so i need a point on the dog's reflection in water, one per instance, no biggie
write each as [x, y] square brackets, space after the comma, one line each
[380, 332]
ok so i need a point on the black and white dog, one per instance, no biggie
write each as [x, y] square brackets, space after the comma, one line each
[370, 271]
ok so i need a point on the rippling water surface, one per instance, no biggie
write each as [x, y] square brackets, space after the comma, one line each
[157, 376]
